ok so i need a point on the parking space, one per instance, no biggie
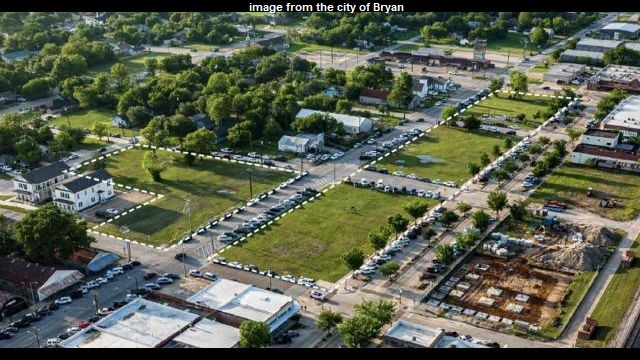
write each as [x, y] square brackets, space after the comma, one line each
[122, 202]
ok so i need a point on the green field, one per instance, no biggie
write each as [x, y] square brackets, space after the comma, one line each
[86, 118]
[311, 240]
[446, 153]
[408, 47]
[133, 64]
[302, 46]
[14, 209]
[570, 183]
[500, 104]
[213, 187]
[615, 301]
[6, 197]
[512, 43]
[93, 144]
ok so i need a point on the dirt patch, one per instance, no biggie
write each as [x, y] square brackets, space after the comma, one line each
[579, 257]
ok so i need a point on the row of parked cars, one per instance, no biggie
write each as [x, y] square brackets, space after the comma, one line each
[252, 157]
[472, 99]
[384, 255]
[512, 154]
[317, 159]
[26, 320]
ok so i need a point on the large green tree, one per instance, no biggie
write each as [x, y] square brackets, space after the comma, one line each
[402, 92]
[254, 334]
[480, 220]
[539, 37]
[327, 320]
[518, 82]
[416, 208]
[398, 222]
[353, 259]
[49, 234]
[497, 200]
[359, 331]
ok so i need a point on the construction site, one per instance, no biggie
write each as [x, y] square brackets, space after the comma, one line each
[521, 274]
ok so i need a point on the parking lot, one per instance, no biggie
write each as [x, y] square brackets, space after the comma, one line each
[122, 202]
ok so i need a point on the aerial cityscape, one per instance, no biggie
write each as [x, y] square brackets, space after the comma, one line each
[303, 179]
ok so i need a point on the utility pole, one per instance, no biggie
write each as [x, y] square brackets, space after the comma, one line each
[184, 264]
[129, 250]
[251, 182]
[261, 143]
[188, 208]
[508, 54]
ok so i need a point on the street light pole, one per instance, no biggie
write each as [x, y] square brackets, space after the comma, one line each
[184, 264]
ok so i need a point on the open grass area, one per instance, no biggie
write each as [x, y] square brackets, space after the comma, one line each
[213, 187]
[444, 154]
[86, 118]
[539, 68]
[408, 47]
[512, 43]
[14, 209]
[615, 301]
[6, 197]
[501, 105]
[311, 240]
[133, 64]
[570, 183]
[22, 117]
[93, 144]
[299, 46]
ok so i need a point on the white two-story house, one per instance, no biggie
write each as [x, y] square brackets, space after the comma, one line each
[37, 186]
[85, 191]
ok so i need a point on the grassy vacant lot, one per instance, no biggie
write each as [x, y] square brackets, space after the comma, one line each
[614, 302]
[570, 183]
[311, 240]
[302, 46]
[500, 104]
[14, 209]
[445, 154]
[213, 187]
[512, 43]
[86, 118]
[408, 47]
[133, 64]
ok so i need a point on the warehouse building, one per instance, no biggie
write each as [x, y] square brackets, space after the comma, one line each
[616, 77]
[625, 117]
[597, 45]
[352, 124]
[619, 30]
[582, 57]
[563, 73]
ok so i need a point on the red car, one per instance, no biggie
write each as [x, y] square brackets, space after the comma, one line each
[84, 324]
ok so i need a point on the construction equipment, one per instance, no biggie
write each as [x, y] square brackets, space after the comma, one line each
[590, 192]
[606, 203]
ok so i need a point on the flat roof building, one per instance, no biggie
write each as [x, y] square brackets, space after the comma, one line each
[625, 117]
[563, 73]
[406, 334]
[616, 77]
[598, 45]
[207, 334]
[582, 57]
[247, 302]
[620, 30]
[352, 124]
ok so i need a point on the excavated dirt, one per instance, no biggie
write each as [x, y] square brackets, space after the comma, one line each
[579, 257]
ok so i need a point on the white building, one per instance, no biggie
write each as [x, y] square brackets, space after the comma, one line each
[598, 45]
[247, 302]
[619, 30]
[301, 143]
[605, 138]
[563, 73]
[604, 157]
[425, 85]
[405, 334]
[37, 185]
[625, 117]
[352, 124]
[84, 191]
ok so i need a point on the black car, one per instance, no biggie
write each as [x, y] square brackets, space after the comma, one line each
[277, 291]
[383, 171]
[420, 120]
[64, 336]
[94, 318]
[241, 231]
[172, 276]
[149, 275]
[127, 267]
[135, 263]
[180, 256]
[102, 214]
[268, 163]
[53, 306]
[10, 329]
[370, 168]
[20, 324]
[280, 158]
[140, 291]
[32, 317]
[44, 311]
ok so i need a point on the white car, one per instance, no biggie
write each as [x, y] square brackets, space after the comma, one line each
[398, 173]
[318, 295]
[117, 271]
[112, 211]
[235, 264]
[252, 202]
[224, 238]
[130, 297]
[211, 276]
[73, 330]
[101, 280]
[288, 278]
[108, 275]
[195, 273]
[63, 300]
[104, 311]
[304, 280]
[335, 157]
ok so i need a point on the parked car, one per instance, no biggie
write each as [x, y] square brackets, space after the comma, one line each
[180, 256]
[211, 276]
[149, 275]
[152, 286]
[318, 295]
[195, 273]
[164, 281]
[112, 211]
[171, 276]
[63, 300]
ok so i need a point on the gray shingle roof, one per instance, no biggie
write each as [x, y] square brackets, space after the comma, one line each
[86, 181]
[45, 173]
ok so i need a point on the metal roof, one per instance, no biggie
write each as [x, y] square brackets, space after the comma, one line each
[617, 26]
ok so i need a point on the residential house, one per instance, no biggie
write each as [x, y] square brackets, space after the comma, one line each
[119, 122]
[374, 96]
[276, 42]
[425, 85]
[58, 106]
[202, 120]
[35, 281]
[619, 30]
[84, 191]
[352, 124]
[37, 185]
[331, 91]
[301, 143]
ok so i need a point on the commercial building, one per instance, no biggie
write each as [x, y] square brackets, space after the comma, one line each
[616, 77]
[147, 324]
[301, 143]
[619, 30]
[247, 302]
[597, 45]
[563, 73]
[605, 157]
[352, 124]
[37, 185]
[582, 57]
[605, 138]
[625, 117]
[425, 85]
[406, 334]
[84, 191]
[435, 60]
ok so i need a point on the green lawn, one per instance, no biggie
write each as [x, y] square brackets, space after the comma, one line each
[512, 43]
[311, 240]
[213, 187]
[22, 117]
[133, 64]
[570, 183]
[615, 301]
[93, 144]
[408, 47]
[14, 209]
[86, 118]
[539, 68]
[302, 46]
[6, 197]
[446, 153]
[500, 104]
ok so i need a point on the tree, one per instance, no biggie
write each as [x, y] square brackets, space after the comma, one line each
[272, 130]
[496, 150]
[67, 66]
[359, 330]
[353, 259]
[49, 234]
[573, 134]
[254, 334]
[389, 268]
[99, 129]
[467, 239]
[379, 238]
[508, 143]
[151, 65]
[480, 220]
[315, 123]
[444, 254]
[416, 208]
[496, 84]
[240, 133]
[622, 55]
[154, 165]
[518, 210]
[219, 108]
[524, 19]
[398, 222]
[470, 122]
[156, 132]
[485, 160]
[448, 112]
[180, 126]
[201, 141]
[473, 168]
[7, 243]
[538, 36]
[138, 116]
[463, 207]
[381, 310]
[27, 150]
[448, 218]
[497, 200]
[510, 166]
[402, 92]
[36, 88]
[518, 82]
[328, 319]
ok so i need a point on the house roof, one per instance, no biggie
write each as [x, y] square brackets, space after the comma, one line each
[17, 271]
[347, 120]
[87, 181]
[295, 141]
[57, 104]
[598, 42]
[602, 133]
[606, 152]
[202, 121]
[582, 53]
[375, 93]
[45, 173]
[618, 26]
